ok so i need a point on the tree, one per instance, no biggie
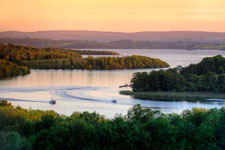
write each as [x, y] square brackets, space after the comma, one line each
[13, 141]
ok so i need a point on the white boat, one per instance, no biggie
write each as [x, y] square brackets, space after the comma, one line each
[114, 101]
[52, 101]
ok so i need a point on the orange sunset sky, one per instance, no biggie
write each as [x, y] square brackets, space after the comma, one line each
[112, 15]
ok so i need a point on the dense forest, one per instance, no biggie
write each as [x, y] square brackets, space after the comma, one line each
[10, 69]
[19, 53]
[209, 64]
[53, 58]
[208, 75]
[12, 58]
[141, 128]
[122, 44]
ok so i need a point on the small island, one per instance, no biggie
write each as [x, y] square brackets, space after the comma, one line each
[202, 81]
[19, 59]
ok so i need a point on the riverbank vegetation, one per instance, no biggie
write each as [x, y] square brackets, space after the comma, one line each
[53, 58]
[141, 128]
[206, 76]
[177, 96]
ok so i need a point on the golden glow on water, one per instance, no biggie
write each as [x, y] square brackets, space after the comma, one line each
[70, 78]
[112, 15]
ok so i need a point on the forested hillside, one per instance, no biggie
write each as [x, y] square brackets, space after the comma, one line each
[117, 44]
[163, 36]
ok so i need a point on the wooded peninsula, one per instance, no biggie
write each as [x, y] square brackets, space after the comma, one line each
[54, 58]
[200, 81]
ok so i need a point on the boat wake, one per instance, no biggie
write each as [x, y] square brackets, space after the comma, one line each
[22, 100]
[65, 94]
[58, 93]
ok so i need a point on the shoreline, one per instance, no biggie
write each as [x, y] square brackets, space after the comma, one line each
[176, 96]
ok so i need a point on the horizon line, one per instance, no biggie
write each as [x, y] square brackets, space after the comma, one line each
[116, 31]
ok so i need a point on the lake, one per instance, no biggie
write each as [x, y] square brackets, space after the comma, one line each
[82, 90]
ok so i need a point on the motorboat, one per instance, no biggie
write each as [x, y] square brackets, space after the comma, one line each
[126, 85]
[114, 101]
[52, 101]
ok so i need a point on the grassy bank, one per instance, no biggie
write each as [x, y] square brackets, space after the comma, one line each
[175, 96]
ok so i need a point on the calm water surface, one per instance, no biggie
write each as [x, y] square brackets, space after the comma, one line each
[79, 90]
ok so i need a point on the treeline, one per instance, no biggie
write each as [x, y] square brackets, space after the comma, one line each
[99, 63]
[50, 58]
[208, 75]
[9, 69]
[54, 58]
[122, 44]
[209, 64]
[141, 128]
[126, 62]
[19, 53]
[91, 52]
[12, 58]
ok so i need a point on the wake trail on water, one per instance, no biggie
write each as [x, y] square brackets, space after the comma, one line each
[62, 92]
[65, 94]
[37, 89]
[72, 94]
[22, 100]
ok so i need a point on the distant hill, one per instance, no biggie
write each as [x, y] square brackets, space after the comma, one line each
[122, 44]
[171, 36]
